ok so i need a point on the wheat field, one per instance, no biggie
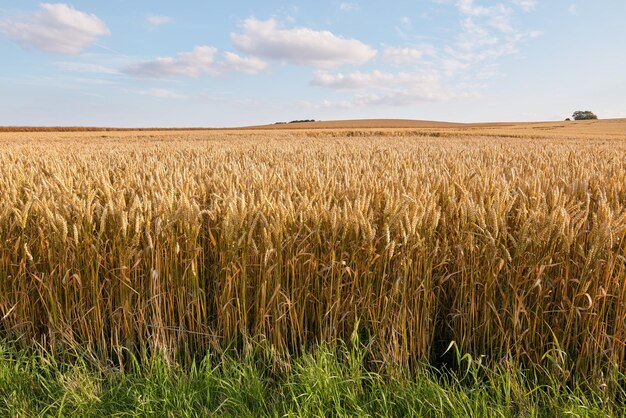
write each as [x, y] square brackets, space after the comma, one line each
[508, 243]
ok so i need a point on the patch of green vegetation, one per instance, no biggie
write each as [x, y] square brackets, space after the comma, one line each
[325, 382]
[295, 121]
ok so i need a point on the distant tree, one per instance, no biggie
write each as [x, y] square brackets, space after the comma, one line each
[567, 119]
[295, 121]
[584, 115]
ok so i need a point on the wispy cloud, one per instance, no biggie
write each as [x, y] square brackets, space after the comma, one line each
[438, 72]
[363, 80]
[486, 34]
[526, 5]
[478, 43]
[383, 88]
[404, 27]
[348, 7]
[303, 46]
[201, 60]
[402, 56]
[497, 16]
[155, 20]
[249, 65]
[55, 27]
[84, 67]
[162, 93]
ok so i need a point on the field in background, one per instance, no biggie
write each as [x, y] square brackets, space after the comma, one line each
[505, 243]
[609, 128]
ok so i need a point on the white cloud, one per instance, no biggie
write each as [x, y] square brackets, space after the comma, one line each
[383, 88]
[302, 46]
[249, 65]
[362, 80]
[191, 64]
[201, 60]
[402, 55]
[526, 5]
[348, 7]
[158, 20]
[55, 27]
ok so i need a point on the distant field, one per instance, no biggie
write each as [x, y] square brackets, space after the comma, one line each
[607, 127]
[361, 124]
[597, 128]
[503, 243]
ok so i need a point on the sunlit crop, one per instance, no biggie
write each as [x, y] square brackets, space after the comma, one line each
[511, 246]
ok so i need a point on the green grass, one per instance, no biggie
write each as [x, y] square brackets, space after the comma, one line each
[322, 383]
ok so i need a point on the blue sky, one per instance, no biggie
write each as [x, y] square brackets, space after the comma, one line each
[215, 63]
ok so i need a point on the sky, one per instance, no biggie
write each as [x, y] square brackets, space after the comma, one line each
[139, 63]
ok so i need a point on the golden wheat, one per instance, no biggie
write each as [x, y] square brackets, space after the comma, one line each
[187, 241]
